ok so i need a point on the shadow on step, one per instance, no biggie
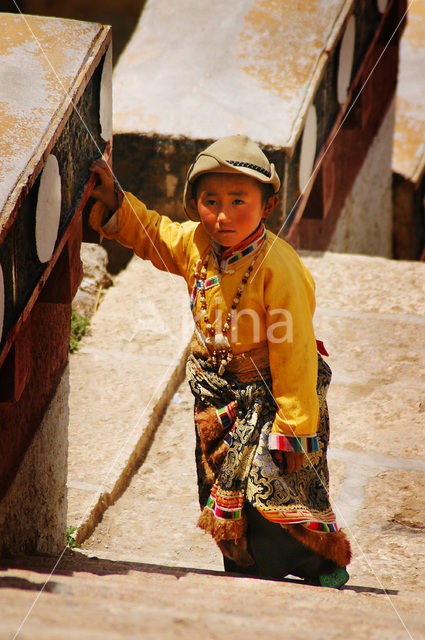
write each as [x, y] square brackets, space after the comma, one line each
[73, 561]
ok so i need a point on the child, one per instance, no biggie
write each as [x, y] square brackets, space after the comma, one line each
[258, 381]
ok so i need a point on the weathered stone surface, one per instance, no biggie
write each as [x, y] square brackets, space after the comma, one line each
[30, 70]
[408, 159]
[95, 279]
[268, 70]
[33, 513]
[52, 114]
[365, 223]
[245, 83]
[365, 284]
[122, 17]
[46, 360]
[409, 134]
[122, 377]
[50, 77]
[97, 598]
[154, 521]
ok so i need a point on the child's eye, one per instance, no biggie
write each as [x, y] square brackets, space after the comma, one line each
[210, 202]
[238, 201]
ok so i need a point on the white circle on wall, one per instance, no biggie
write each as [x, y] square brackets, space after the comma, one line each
[345, 63]
[105, 109]
[308, 148]
[1, 302]
[382, 5]
[48, 210]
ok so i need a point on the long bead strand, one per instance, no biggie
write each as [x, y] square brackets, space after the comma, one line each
[218, 342]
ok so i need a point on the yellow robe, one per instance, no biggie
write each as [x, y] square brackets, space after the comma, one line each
[276, 307]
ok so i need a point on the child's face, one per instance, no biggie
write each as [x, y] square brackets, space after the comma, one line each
[230, 206]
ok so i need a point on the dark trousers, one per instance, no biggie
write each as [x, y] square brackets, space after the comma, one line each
[277, 553]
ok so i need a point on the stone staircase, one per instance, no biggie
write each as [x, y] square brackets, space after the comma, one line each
[95, 598]
[146, 570]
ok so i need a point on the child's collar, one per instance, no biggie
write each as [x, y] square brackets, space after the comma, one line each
[229, 256]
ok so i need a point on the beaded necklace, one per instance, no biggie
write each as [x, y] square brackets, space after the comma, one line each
[217, 342]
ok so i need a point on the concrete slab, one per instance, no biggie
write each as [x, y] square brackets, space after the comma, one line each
[40, 63]
[409, 134]
[364, 284]
[154, 521]
[95, 598]
[250, 70]
[371, 316]
[122, 377]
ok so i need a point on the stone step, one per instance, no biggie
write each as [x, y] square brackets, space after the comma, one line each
[92, 598]
[147, 570]
[121, 379]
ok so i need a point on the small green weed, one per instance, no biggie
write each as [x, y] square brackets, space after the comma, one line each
[79, 327]
[70, 537]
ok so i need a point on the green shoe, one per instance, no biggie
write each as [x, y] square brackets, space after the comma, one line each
[336, 579]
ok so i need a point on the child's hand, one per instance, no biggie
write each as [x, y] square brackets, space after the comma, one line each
[288, 461]
[105, 191]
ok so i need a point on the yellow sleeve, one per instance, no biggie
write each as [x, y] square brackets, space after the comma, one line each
[151, 236]
[292, 351]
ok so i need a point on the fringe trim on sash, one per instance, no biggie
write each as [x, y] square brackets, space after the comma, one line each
[334, 546]
[222, 529]
[211, 433]
[230, 536]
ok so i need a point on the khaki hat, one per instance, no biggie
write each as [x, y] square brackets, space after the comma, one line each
[233, 154]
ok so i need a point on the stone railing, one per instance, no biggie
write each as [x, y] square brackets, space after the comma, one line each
[56, 91]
